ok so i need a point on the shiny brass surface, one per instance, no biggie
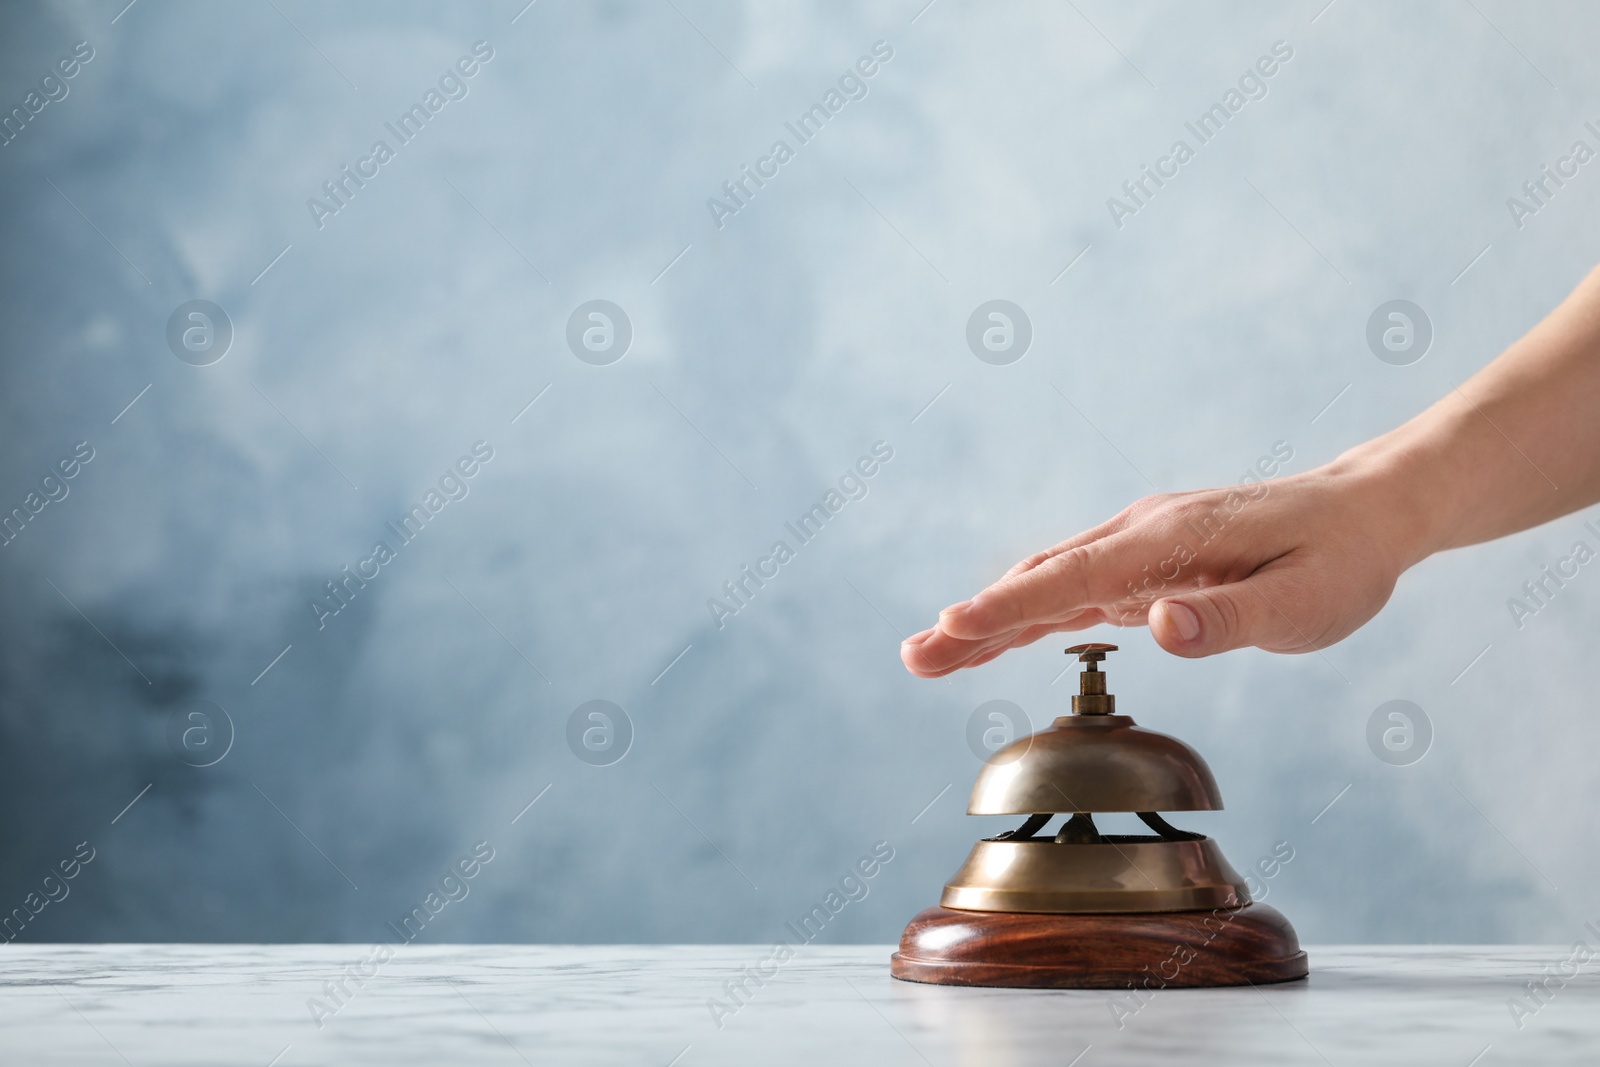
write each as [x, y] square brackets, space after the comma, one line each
[1094, 760]
[1094, 763]
[1119, 876]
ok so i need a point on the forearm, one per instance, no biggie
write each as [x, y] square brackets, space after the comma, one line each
[1516, 445]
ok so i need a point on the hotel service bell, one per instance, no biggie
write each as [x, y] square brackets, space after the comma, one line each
[1076, 908]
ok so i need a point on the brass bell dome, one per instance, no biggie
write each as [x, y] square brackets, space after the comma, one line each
[1094, 760]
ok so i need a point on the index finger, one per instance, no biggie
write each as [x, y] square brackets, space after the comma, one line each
[1088, 575]
[1105, 529]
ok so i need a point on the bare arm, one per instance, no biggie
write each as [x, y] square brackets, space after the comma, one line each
[1302, 562]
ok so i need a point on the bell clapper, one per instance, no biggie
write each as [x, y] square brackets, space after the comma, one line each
[1079, 830]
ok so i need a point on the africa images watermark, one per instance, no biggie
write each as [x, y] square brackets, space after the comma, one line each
[54, 890]
[1539, 992]
[53, 89]
[1140, 190]
[853, 887]
[1207, 529]
[52, 489]
[1553, 577]
[452, 887]
[1542, 187]
[1125, 1006]
[852, 85]
[741, 590]
[452, 85]
[454, 484]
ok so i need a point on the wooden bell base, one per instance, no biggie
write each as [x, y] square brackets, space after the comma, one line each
[1251, 945]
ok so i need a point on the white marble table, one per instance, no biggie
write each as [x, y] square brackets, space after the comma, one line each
[498, 1004]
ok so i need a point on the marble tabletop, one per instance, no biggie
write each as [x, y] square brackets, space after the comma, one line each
[685, 1006]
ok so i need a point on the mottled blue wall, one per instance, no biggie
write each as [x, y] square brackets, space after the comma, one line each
[771, 347]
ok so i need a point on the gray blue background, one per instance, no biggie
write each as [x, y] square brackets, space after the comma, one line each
[824, 316]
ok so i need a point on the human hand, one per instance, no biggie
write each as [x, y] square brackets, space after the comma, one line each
[1292, 565]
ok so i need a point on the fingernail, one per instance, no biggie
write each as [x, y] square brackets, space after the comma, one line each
[954, 609]
[1184, 618]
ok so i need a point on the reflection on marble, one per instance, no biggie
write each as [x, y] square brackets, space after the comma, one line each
[498, 1004]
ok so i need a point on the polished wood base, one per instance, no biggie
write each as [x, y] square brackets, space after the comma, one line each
[1165, 950]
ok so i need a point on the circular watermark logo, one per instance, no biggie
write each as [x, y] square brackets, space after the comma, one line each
[1399, 332]
[1399, 733]
[199, 332]
[599, 732]
[200, 733]
[599, 332]
[999, 332]
[993, 725]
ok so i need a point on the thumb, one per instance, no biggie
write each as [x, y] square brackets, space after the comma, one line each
[1224, 617]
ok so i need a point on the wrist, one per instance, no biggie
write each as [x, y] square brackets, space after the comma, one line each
[1403, 486]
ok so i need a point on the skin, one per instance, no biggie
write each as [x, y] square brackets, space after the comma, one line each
[1305, 560]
